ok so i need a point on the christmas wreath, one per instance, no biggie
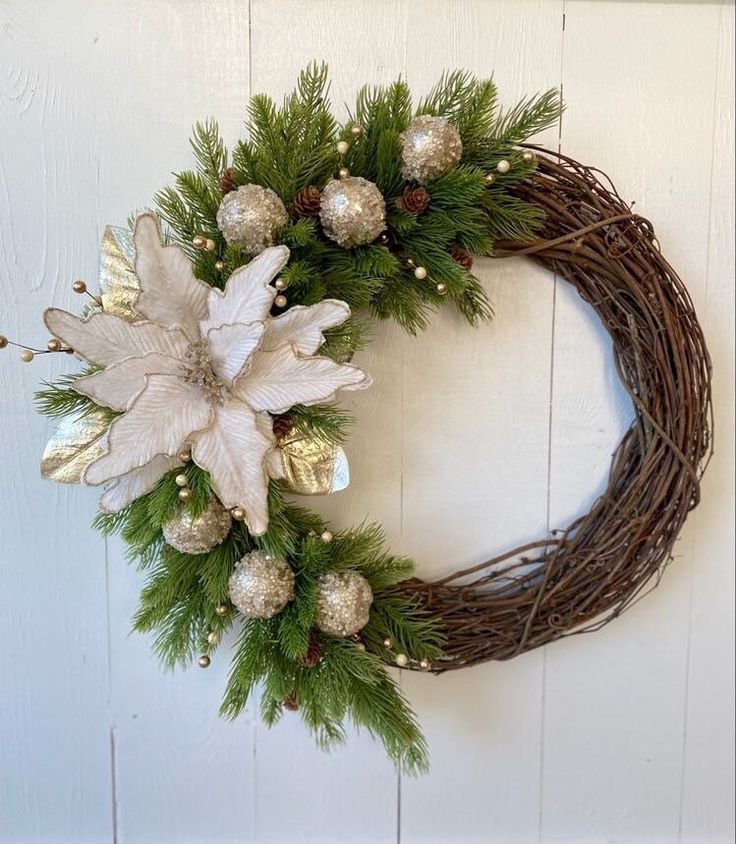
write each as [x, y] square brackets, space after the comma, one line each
[217, 342]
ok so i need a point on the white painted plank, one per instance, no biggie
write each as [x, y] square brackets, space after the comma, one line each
[614, 702]
[708, 778]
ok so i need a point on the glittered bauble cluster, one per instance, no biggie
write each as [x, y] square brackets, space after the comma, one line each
[251, 216]
[261, 586]
[345, 599]
[429, 146]
[352, 211]
[198, 534]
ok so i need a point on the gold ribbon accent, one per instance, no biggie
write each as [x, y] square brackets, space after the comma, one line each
[312, 467]
[77, 442]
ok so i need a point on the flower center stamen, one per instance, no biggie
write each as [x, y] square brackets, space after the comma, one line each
[198, 370]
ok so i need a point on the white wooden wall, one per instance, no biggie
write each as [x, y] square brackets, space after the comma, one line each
[469, 442]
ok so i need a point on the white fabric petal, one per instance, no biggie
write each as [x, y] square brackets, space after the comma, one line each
[119, 384]
[232, 450]
[158, 422]
[248, 296]
[105, 339]
[231, 346]
[280, 379]
[123, 491]
[274, 458]
[303, 326]
[170, 294]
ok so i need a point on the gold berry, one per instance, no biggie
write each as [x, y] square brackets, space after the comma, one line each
[26, 355]
[388, 643]
[219, 266]
[238, 513]
[280, 284]
[503, 166]
[210, 245]
[326, 536]
[185, 494]
[199, 241]
[213, 637]
[425, 664]
[420, 273]
[222, 610]
[204, 661]
[280, 301]
[357, 130]
[490, 178]
[185, 456]
[442, 288]
[528, 156]
[54, 345]
[343, 147]
[182, 480]
[402, 660]
[79, 287]
[343, 172]
[3, 341]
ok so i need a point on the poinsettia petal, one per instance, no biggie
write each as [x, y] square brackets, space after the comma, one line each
[232, 450]
[158, 422]
[280, 379]
[105, 339]
[170, 294]
[119, 384]
[274, 459]
[124, 490]
[303, 326]
[248, 296]
[231, 346]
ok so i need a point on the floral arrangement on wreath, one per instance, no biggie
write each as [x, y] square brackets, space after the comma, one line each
[214, 351]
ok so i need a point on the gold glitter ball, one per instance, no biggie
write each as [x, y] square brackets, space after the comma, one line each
[197, 535]
[429, 146]
[352, 211]
[261, 586]
[251, 217]
[345, 599]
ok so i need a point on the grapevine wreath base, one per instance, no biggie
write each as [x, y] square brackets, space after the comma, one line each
[227, 321]
[592, 571]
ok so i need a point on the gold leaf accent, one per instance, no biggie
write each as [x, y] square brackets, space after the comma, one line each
[119, 285]
[76, 443]
[312, 467]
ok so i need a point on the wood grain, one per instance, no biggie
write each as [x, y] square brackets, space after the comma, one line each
[623, 736]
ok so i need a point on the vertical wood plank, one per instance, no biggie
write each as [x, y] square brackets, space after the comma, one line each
[182, 773]
[614, 716]
[55, 775]
[708, 778]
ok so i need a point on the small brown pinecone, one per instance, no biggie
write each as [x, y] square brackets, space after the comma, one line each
[306, 202]
[413, 200]
[227, 181]
[313, 653]
[461, 256]
[282, 425]
[291, 703]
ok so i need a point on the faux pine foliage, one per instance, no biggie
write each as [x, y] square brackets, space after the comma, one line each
[288, 148]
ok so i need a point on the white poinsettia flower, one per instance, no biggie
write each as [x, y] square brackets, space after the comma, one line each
[202, 370]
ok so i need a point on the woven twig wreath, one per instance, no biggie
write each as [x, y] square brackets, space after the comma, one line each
[217, 342]
[588, 574]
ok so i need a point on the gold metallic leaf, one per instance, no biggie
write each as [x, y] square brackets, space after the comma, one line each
[311, 467]
[119, 284]
[75, 444]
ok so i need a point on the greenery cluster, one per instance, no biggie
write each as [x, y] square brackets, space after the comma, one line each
[289, 148]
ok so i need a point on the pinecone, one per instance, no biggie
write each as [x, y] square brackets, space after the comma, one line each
[227, 181]
[413, 200]
[313, 654]
[282, 425]
[461, 256]
[306, 202]
[291, 703]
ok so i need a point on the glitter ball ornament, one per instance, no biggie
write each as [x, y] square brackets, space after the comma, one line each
[261, 586]
[251, 216]
[201, 533]
[345, 598]
[352, 211]
[429, 146]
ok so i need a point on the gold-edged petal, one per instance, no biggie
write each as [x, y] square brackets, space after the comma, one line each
[119, 286]
[303, 326]
[76, 443]
[117, 386]
[170, 293]
[163, 416]
[124, 490]
[104, 339]
[231, 346]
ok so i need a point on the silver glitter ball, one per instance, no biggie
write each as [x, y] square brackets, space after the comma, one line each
[261, 586]
[429, 146]
[352, 211]
[345, 599]
[251, 216]
[201, 533]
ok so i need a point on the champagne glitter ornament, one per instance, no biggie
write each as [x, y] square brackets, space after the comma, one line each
[345, 598]
[251, 216]
[352, 211]
[196, 535]
[429, 146]
[261, 586]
